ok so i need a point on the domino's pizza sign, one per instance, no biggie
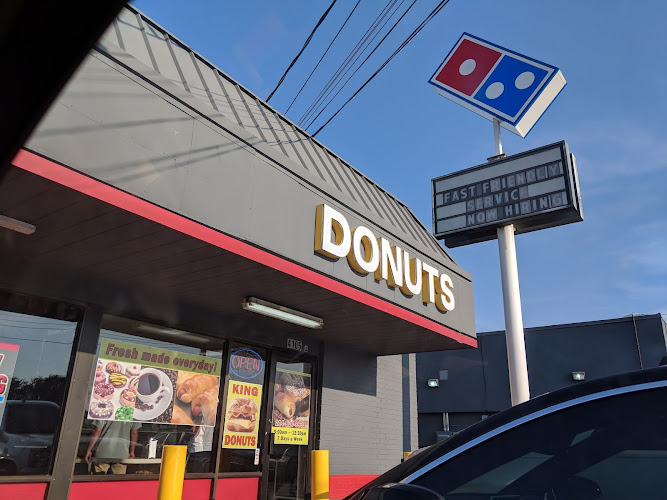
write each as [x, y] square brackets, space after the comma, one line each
[497, 83]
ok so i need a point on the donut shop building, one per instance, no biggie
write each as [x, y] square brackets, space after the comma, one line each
[183, 265]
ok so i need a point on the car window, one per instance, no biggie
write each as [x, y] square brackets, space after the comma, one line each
[497, 478]
[612, 448]
[31, 418]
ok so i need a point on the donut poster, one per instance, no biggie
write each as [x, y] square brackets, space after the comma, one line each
[146, 384]
[242, 415]
[291, 407]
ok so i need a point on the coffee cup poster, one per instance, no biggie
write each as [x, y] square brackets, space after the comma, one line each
[291, 407]
[146, 384]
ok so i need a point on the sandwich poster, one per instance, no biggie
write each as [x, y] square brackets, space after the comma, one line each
[291, 407]
[242, 415]
[147, 384]
[8, 355]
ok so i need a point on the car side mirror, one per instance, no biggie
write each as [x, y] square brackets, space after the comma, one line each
[398, 491]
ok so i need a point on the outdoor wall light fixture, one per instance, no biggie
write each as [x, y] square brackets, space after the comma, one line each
[174, 333]
[276, 311]
[16, 225]
[433, 382]
[578, 376]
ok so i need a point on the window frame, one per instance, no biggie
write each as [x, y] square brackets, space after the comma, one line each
[21, 303]
[132, 322]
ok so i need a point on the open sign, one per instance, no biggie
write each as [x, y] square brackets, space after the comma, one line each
[246, 364]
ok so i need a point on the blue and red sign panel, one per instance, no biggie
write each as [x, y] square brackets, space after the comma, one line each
[495, 82]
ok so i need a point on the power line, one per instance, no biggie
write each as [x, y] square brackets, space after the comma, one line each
[433, 13]
[310, 37]
[355, 61]
[364, 62]
[323, 55]
[360, 46]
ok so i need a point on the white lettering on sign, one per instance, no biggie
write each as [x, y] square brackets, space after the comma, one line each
[535, 190]
[367, 254]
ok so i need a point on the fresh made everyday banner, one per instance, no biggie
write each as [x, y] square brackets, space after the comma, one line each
[244, 401]
[8, 355]
[291, 407]
[134, 382]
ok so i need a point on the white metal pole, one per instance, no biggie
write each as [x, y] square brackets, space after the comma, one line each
[516, 347]
[496, 137]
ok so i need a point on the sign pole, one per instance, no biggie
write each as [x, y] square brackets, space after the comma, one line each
[496, 137]
[516, 347]
[469, 206]
[509, 274]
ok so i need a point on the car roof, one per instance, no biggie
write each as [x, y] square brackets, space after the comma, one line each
[502, 418]
[31, 402]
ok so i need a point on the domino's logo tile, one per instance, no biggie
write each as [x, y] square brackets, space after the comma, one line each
[467, 68]
[510, 85]
[497, 83]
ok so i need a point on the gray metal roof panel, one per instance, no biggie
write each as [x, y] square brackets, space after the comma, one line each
[131, 34]
[144, 39]
[261, 121]
[294, 142]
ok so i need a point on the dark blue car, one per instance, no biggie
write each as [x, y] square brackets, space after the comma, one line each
[604, 439]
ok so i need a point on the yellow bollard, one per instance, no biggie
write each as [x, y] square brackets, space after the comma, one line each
[172, 472]
[319, 474]
[406, 454]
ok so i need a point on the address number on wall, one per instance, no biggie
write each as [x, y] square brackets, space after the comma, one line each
[296, 345]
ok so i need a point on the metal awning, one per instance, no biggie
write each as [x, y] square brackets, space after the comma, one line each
[88, 251]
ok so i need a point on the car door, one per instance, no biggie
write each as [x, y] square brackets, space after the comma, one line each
[610, 445]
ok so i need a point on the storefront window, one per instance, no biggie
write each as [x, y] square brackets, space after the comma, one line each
[244, 409]
[152, 386]
[36, 339]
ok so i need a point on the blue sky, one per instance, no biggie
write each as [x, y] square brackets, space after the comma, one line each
[399, 132]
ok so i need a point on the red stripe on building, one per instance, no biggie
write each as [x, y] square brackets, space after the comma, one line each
[65, 176]
[23, 491]
[236, 488]
[193, 489]
[341, 486]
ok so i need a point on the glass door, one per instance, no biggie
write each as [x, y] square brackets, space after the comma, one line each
[290, 427]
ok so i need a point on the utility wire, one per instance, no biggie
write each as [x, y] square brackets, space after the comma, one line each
[364, 62]
[433, 13]
[361, 45]
[310, 37]
[355, 61]
[323, 55]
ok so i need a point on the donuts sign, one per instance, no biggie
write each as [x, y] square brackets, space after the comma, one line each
[365, 253]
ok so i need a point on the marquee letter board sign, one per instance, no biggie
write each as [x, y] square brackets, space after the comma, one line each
[532, 190]
[495, 82]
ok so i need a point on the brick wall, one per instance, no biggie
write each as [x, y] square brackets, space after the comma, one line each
[365, 424]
